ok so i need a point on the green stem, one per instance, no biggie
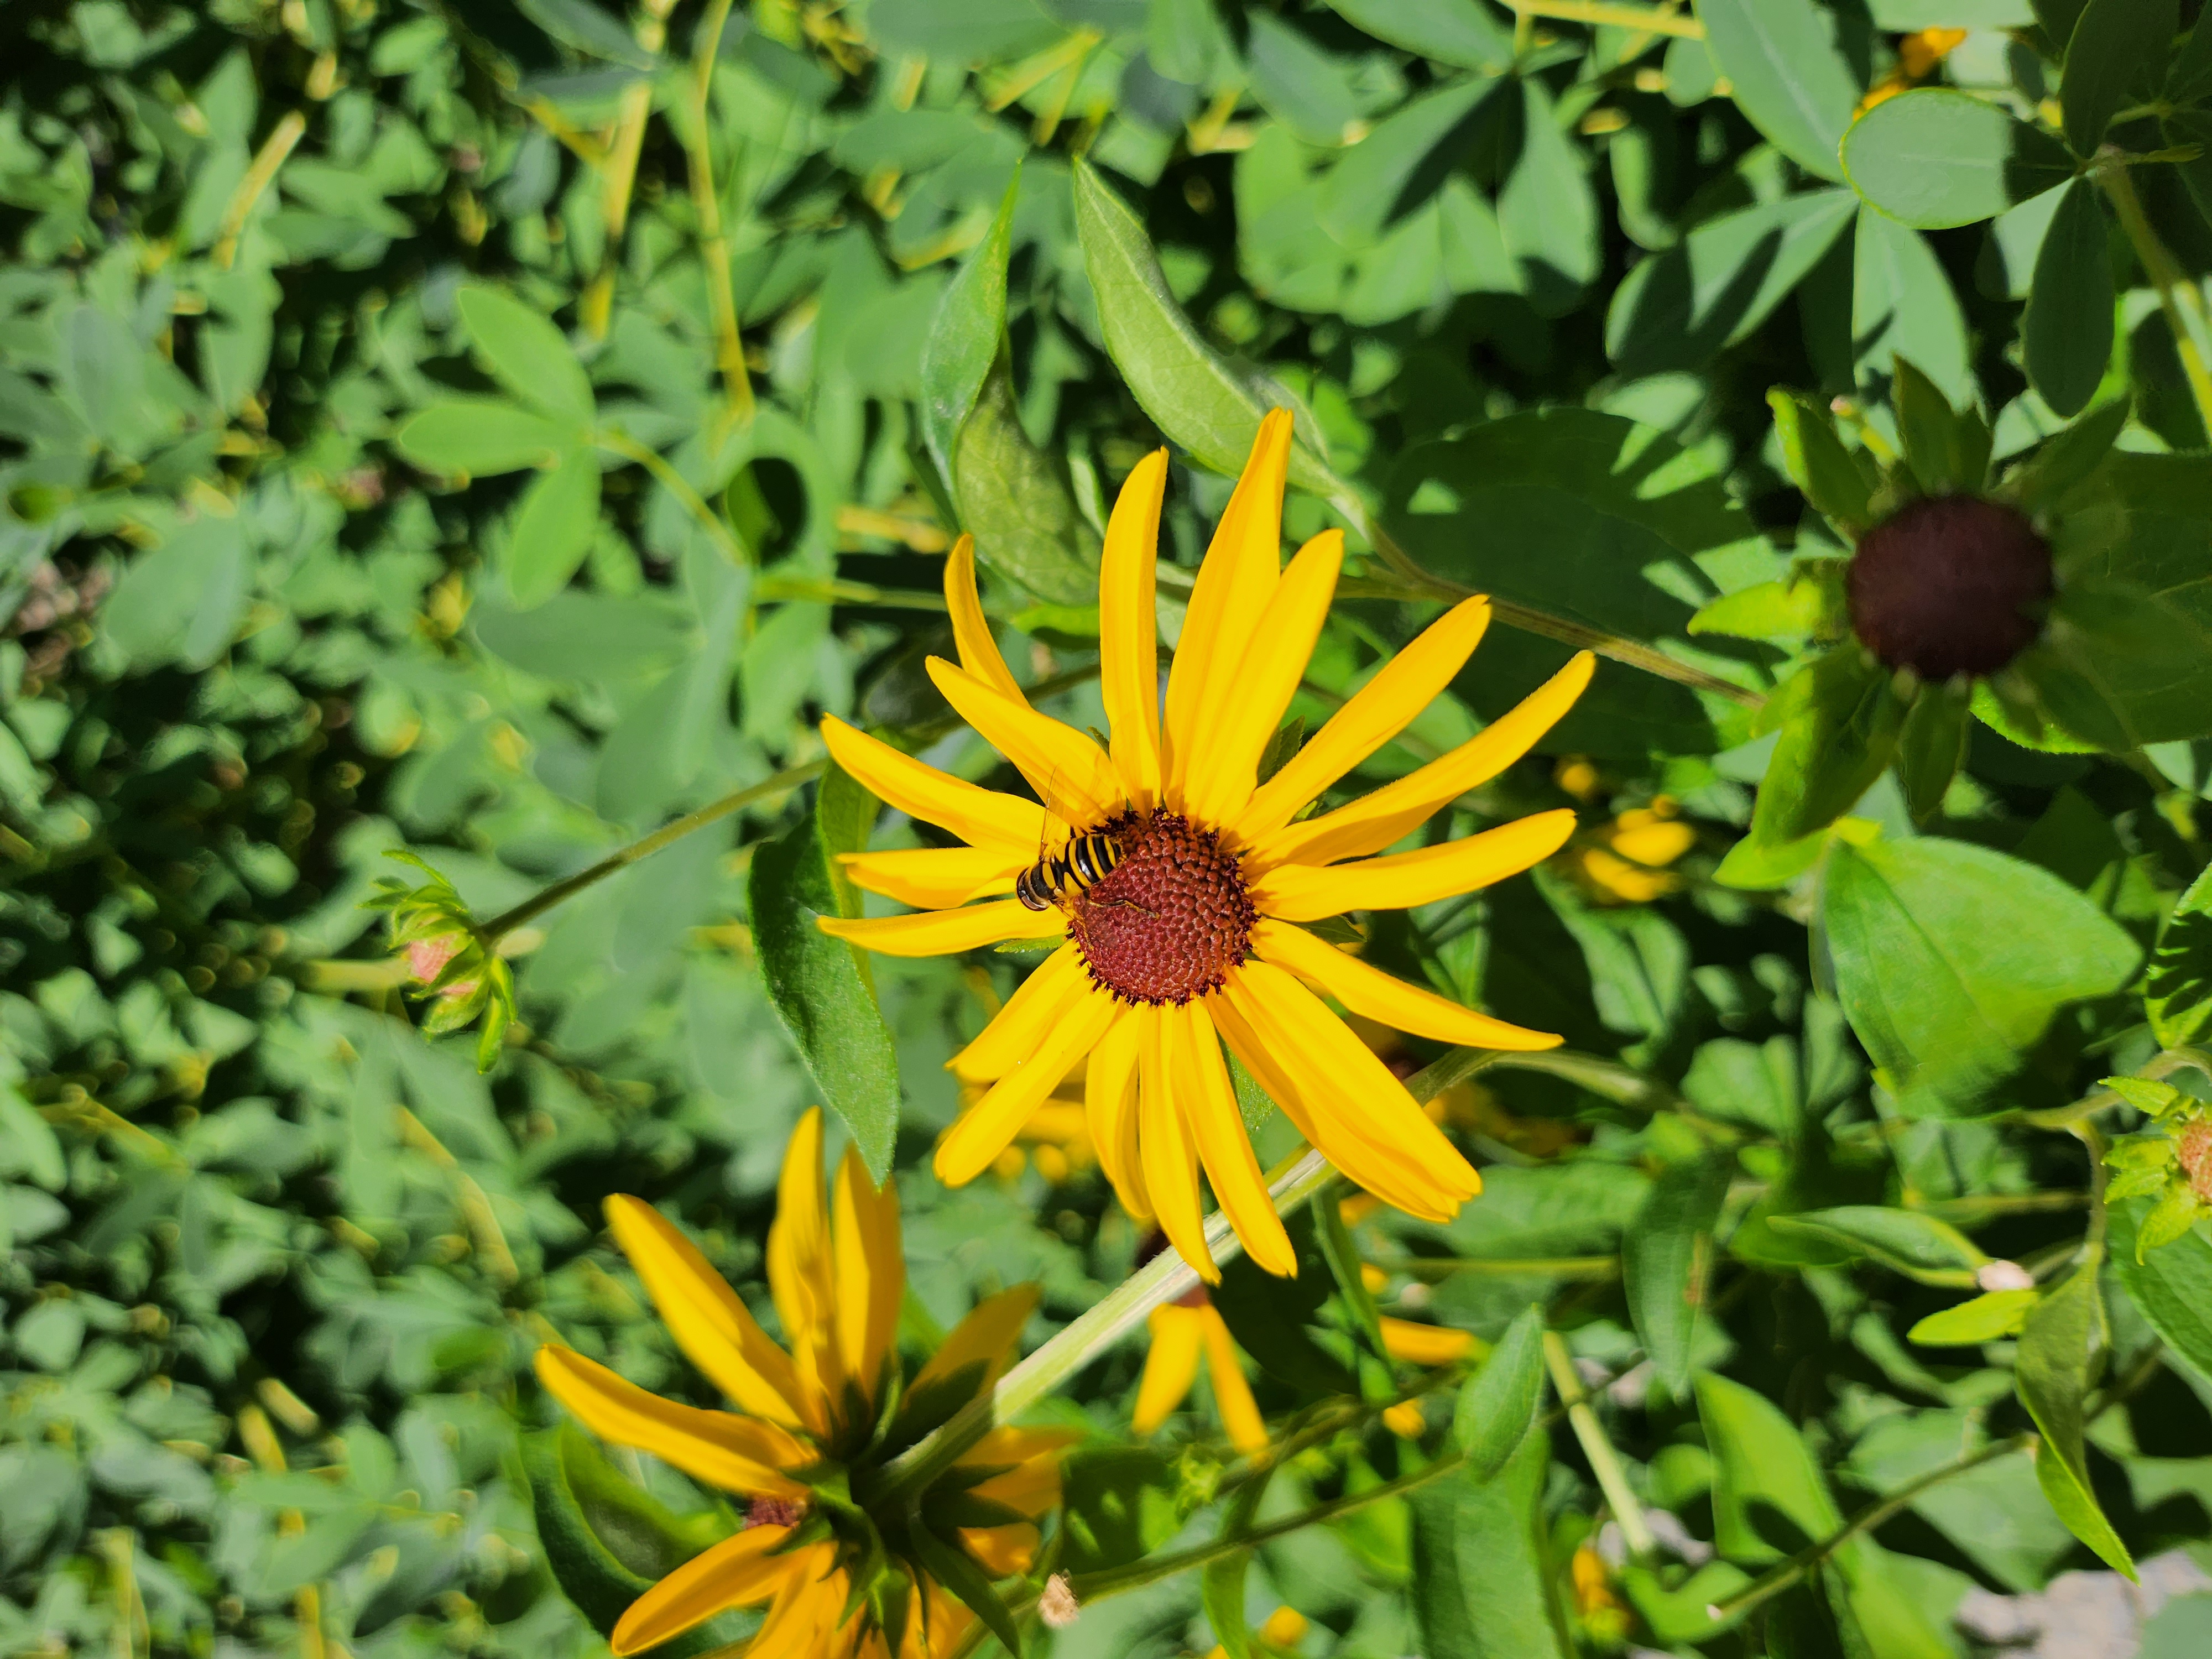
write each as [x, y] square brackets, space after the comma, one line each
[1777, 1579]
[1648, 20]
[1548, 1267]
[678, 485]
[538, 903]
[2166, 278]
[714, 243]
[1605, 1464]
[827, 591]
[1420, 584]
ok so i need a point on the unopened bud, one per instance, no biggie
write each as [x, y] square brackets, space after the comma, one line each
[2004, 1276]
[1058, 1607]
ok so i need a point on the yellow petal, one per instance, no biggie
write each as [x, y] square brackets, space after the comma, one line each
[1070, 774]
[1171, 1366]
[937, 878]
[945, 932]
[706, 1318]
[1235, 581]
[987, 1337]
[1171, 1162]
[1129, 629]
[800, 1270]
[736, 1454]
[1374, 821]
[1220, 785]
[1039, 1003]
[1001, 1552]
[804, 1615]
[971, 629]
[1425, 1344]
[1297, 892]
[1232, 1394]
[982, 818]
[871, 1272]
[737, 1572]
[1373, 994]
[983, 1132]
[1377, 712]
[1361, 1118]
[1110, 1107]
[1209, 1107]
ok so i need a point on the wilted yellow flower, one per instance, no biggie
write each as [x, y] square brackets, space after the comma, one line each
[1194, 938]
[805, 1432]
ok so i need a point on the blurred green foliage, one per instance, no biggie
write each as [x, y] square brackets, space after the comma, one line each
[496, 431]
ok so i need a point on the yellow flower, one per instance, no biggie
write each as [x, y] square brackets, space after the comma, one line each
[1625, 862]
[1280, 1632]
[1194, 937]
[803, 1437]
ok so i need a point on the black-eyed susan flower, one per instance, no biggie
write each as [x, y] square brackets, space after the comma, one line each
[809, 1429]
[1196, 937]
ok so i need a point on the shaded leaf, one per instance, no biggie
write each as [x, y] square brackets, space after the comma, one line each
[1498, 1405]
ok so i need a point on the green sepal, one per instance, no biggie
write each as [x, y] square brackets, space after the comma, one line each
[1948, 451]
[2066, 459]
[1840, 731]
[1985, 1318]
[953, 1568]
[2146, 1094]
[1930, 745]
[1840, 485]
[2171, 1216]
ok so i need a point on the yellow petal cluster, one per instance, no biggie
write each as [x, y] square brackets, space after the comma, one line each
[1158, 1092]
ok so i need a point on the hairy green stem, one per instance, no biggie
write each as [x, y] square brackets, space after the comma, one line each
[1781, 1577]
[1605, 1463]
[538, 903]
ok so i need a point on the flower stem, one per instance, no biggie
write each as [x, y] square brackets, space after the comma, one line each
[1779, 1578]
[538, 903]
[714, 241]
[1605, 1464]
[2166, 278]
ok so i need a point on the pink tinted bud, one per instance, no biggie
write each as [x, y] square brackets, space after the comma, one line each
[427, 959]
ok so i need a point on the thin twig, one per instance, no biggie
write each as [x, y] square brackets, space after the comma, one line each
[1605, 1463]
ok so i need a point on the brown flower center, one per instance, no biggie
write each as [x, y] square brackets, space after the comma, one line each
[774, 1512]
[1171, 920]
[1949, 584]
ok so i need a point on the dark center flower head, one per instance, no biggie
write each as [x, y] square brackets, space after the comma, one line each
[1172, 919]
[1949, 584]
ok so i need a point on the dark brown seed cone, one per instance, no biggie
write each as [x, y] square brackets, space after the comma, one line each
[1949, 584]
[1173, 918]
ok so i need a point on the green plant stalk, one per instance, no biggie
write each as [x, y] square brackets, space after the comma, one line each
[2165, 278]
[1530, 620]
[538, 903]
[1605, 1463]
[1649, 19]
[1549, 1267]
[1155, 1284]
[822, 591]
[1776, 1579]
[678, 485]
[714, 241]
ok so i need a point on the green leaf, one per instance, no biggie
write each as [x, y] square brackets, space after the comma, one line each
[1666, 1260]
[1907, 1241]
[2120, 666]
[2067, 330]
[1546, 211]
[964, 337]
[2170, 1288]
[1677, 310]
[820, 986]
[1786, 74]
[1196, 398]
[1014, 501]
[1951, 960]
[1903, 306]
[606, 1540]
[1272, 1318]
[1930, 749]
[1934, 157]
[1769, 1499]
[482, 436]
[1121, 1503]
[1303, 87]
[553, 525]
[28, 1143]
[1460, 32]
[1842, 715]
[2116, 46]
[1497, 1405]
[527, 354]
[2177, 989]
[2062, 1351]
[589, 29]
[1982, 1319]
[1221, 1597]
[1836, 483]
[1480, 1575]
